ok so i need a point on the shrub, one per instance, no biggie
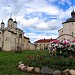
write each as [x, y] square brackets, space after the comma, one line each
[51, 62]
[63, 48]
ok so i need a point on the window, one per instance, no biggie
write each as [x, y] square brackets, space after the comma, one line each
[0, 38]
[72, 33]
[6, 39]
[20, 35]
[47, 44]
[44, 44]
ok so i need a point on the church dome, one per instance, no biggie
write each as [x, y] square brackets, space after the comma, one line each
[72, 19]
[72, 13]
[2, 22]
[11, 19]
[15, 22]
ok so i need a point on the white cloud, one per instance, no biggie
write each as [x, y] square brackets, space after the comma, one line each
[54, 24]
[42, 6]
[19, 8]
[43, 26]
[39, 24]
[40, 36]
[65, 14]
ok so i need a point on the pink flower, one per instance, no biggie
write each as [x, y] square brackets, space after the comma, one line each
[74, 41]
[56, 41]
[66, 42]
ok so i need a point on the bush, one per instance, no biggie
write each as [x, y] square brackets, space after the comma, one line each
[51, 62]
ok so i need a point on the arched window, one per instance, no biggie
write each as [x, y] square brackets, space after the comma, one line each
[20, 35]
[72, 33]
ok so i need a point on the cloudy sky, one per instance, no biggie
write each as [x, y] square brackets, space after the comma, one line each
[37, 18]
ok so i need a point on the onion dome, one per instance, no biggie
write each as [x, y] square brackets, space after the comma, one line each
[2, 22]
[15, 21]
[73, 13]
[72, 19]
[11, 19]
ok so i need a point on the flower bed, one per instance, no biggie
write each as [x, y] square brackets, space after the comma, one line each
[64, 48]
[53, 62]
[61, 57]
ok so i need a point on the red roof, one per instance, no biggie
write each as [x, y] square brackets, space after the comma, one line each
[44, 40]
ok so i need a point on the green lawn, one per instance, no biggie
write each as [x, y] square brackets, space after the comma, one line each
[9, 61]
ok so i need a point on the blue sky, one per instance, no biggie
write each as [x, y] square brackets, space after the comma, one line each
[37, 18]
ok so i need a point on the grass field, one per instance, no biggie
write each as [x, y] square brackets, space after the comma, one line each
[10, 60]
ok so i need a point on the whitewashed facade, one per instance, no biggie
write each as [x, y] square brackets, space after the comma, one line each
[12, 38]
[68, 30]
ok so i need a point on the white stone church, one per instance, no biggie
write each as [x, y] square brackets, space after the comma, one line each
[68, 30]
[12, 38]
